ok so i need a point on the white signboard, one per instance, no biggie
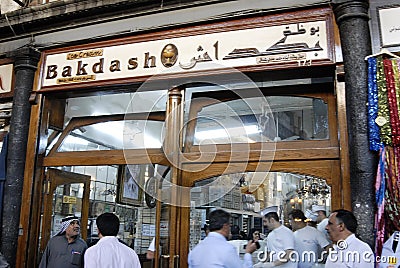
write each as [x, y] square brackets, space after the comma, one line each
[164, 229]
[6, 74]
[300, 43]
[390, 26]
[148, 230]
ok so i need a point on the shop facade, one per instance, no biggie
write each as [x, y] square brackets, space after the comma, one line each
[239, 113]
[152, 108]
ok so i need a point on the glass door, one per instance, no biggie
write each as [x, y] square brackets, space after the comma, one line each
[65, 193]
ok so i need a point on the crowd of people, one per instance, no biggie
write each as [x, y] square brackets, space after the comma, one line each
[332, 243]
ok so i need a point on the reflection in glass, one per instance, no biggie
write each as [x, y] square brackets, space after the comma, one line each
[272, 118]
[135, 102]
[114, 135]
[127, 134]
[245, 195]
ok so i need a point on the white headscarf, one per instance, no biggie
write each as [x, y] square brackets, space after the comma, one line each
[65, 223]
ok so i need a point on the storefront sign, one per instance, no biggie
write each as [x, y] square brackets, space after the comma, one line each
[69, 199]
[297, 43]
[389, 26]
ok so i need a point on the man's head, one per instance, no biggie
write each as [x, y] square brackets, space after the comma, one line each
[321, 212]
[107, 224]
[70, 226]
[271, 220]
[297, 219]
[321, 215]
[219, 221]
[341, 224]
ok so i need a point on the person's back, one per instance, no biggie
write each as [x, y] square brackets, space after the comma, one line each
[214, 251]
[309, 242]
[109, 252]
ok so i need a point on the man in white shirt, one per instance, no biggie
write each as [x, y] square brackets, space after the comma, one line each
[215, 251]
[309, 242]
[280, 242]
[322, 219]
[109, 252]
[348, 250]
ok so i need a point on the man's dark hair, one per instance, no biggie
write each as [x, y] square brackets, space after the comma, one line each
[217, 219]
[347, 218]
[297, 214]
[272, 215]
[323, 212]
[108, 224]
[206, 228]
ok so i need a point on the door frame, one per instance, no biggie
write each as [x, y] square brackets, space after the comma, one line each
[55, 178]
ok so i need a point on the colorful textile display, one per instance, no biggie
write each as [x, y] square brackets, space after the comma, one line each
[384, 137]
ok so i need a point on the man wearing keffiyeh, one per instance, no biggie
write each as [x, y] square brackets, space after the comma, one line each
[66, 248]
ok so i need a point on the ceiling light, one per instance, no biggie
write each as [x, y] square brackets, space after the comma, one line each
[227, 132]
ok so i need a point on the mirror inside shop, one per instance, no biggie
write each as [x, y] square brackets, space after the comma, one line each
[236, 193]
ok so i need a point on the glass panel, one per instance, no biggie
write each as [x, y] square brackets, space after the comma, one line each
[124, 134]
[272, 118]
[239, 195]
[114, 135]
[137, 102]
[231, 122]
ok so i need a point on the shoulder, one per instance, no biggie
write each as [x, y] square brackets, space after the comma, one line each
[284, 230]
[91, 250]
[312, 230]
[355, 243]
[362, 245]
[57, 239]
[81, 242]
[324, 221]
[127, 249]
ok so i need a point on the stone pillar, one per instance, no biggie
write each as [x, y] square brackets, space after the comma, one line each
[25, 66]
[352, 19]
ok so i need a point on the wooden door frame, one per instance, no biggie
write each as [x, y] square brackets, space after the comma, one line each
[55, 178]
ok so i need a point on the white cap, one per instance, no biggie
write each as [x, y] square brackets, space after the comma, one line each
[310, 215]
[270, 209]
[316, 208]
